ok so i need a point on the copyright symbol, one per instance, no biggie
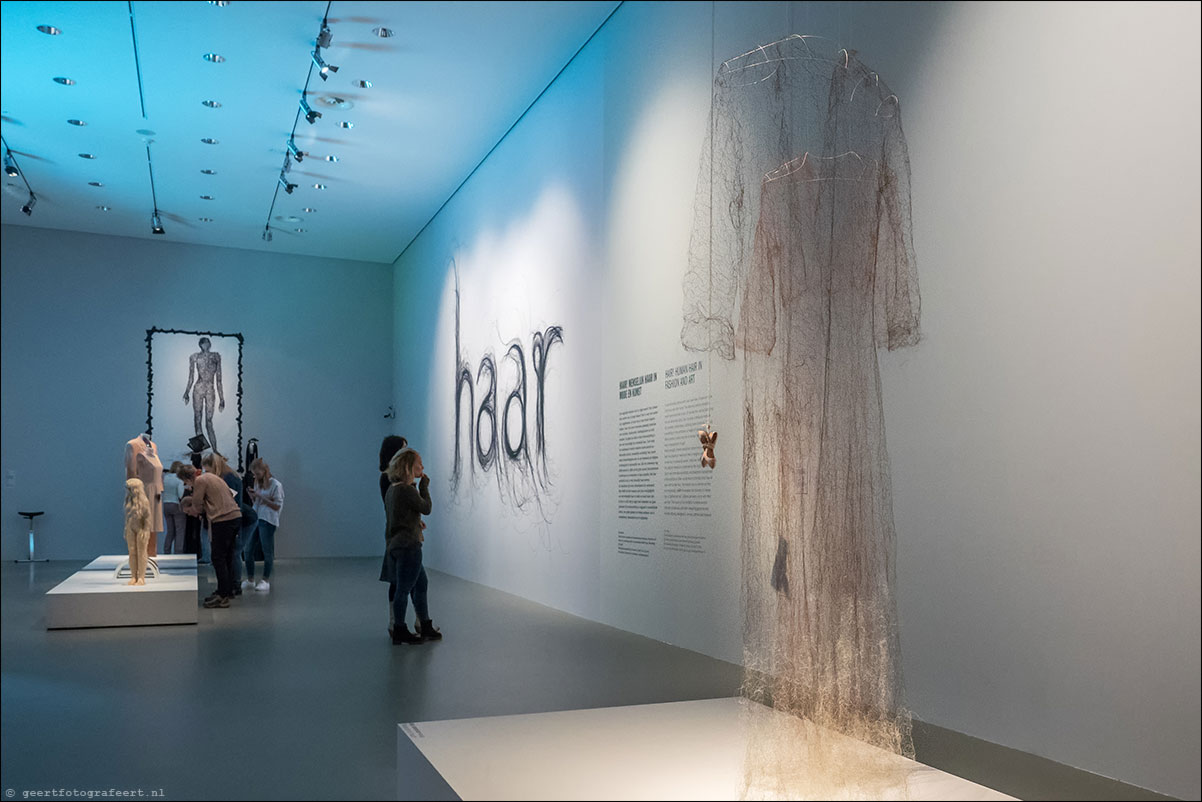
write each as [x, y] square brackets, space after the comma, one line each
[10, 793]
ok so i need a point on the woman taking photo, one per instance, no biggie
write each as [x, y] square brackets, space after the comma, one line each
[405, 503]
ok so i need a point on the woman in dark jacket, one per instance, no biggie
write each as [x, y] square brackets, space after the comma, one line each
[404, 506]
[388, 449]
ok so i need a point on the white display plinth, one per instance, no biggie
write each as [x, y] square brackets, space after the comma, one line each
[677, 750]
[91, 597]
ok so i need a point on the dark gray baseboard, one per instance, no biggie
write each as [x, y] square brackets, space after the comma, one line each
[1016, 773]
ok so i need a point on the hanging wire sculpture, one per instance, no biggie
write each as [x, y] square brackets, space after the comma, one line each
[801, 260]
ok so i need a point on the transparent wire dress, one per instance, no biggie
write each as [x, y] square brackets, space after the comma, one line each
[801, 259]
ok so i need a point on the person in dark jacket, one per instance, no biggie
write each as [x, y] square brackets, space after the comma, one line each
[404, 505]
[388, 449]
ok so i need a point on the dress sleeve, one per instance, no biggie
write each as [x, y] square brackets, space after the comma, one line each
[131, 462]
[896, 302]
[757, 313]
[719, 240]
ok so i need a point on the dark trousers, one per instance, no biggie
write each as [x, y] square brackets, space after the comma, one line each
[225, 537]
[410, 580]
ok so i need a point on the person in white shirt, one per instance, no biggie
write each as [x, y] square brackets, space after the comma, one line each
[268, 497]
[174, 517]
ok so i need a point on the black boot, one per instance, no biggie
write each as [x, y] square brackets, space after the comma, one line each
[427, 630]
[401, 634]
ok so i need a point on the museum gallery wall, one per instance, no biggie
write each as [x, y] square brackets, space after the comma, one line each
[80, 380]
[1031, 597]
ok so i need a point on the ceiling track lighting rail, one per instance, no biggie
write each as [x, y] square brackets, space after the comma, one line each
[13, 171]
[156, 222]
[292, 152]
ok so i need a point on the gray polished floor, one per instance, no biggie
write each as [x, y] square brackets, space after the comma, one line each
[296, 694]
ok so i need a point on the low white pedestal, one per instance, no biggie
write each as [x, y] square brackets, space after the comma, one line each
[91, 597]
[677, 750]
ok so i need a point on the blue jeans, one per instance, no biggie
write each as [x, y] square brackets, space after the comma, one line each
[264, 535]
[206, 548]
[410, 579]
[175, 524]
[244, 533]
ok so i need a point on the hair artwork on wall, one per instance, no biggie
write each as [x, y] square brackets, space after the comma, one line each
[197, 373]
[801, 262]
[505, 436]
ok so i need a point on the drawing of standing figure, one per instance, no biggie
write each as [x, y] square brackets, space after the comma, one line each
[205, 365]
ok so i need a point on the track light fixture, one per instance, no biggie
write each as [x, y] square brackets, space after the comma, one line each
[29, 204]
[310, 115]
[156, 224]
[326, 37]
[10, 167]
[295, 151]
[323, 69]
[284, 183]
[267, 233]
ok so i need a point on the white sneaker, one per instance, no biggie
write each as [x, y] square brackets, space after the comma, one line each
[248, 585]
[263, 585]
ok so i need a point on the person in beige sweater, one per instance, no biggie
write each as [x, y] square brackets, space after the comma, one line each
[214, 498]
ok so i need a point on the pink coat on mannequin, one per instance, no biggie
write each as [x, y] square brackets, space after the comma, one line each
[142, 462]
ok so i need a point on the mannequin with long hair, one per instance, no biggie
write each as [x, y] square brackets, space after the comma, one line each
[137, 529]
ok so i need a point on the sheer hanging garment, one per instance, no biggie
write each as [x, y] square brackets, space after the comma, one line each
[801, 258]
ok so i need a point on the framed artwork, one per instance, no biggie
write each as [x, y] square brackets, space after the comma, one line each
[194, 389]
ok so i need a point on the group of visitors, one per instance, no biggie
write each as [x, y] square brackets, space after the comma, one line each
[242, 514]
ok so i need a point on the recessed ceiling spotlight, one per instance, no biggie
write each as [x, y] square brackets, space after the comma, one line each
[337, 102]
[319, 186]
[215, 58]
[219, 3]
[49, 29]
[64, 81]
[300, 231]
[205, 219]
[209, 172]
[80, 123]
[87, 155]
[331, 158]
[346, 124]
[207, 197]
[208, 140]
[309, 209]
[95, 184]
[289, 218]
[212, 104]
[105, 208]
[363, 84]
[382, 32]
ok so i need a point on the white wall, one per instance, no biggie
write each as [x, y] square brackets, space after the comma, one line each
[317, 380]
[1044, 435]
